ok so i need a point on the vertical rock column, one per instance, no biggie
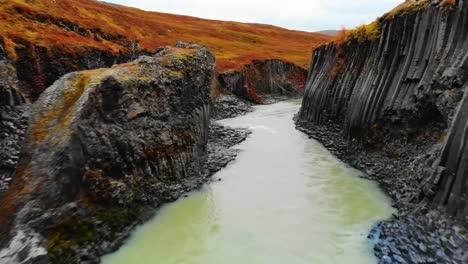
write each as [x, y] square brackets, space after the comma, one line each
[13, 118]
[450, 171]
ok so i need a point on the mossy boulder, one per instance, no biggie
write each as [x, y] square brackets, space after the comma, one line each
[102, 147]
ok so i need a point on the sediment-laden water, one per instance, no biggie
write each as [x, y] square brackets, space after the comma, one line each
[285, 199]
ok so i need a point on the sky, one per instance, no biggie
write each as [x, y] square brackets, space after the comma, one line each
[306, 15]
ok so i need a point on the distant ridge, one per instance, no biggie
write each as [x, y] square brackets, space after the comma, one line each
[328, 32]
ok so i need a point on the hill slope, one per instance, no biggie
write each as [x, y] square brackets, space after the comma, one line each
[77, 25]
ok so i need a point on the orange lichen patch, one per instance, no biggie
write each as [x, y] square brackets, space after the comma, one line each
[58, 117]
[449, 5]
[180, 53]
[250, 86]
[9, 204]
[299, 80]
[75, 26]
[176, 54]
[10, 47]
[338, 69]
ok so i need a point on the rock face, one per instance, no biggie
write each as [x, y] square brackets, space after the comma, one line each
[396, 108]
[401, 90]
[449, 179]
[102, 147]
[263, 79]
[39, 67]
[13, 118]
[9, 89]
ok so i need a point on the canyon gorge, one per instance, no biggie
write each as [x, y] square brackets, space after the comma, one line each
[119, 126]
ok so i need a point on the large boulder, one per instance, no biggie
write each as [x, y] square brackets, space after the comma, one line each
[102, 147]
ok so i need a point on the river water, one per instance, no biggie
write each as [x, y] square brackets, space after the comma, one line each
[285, 200]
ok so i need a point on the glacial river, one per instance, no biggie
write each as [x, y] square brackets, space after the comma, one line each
[285, 200]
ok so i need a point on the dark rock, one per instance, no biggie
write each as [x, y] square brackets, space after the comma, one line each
[92, 168]
[385, 260]
[399, 259]
[229, 106]
[261, 81]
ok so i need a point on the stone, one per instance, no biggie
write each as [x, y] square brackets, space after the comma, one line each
[97, 139]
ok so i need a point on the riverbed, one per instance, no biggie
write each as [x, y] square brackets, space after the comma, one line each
[285, 199]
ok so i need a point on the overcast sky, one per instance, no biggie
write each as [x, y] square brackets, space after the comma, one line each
[308, 15]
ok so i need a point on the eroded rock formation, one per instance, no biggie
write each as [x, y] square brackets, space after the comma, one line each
[263, 79]
[103, 146]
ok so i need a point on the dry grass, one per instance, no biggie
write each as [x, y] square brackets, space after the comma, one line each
[365, 33]
[74, 26]
[407, 7]
[372, 31]
[449, 5]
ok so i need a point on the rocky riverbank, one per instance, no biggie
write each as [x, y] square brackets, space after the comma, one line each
[416, 234]
[230, 106]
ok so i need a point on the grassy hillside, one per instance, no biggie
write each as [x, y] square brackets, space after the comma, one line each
[73, 26]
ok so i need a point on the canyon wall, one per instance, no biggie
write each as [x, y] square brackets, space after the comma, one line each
[261, 79]
[13, 118]
[402, 89]
[103, 147]
[9, 88]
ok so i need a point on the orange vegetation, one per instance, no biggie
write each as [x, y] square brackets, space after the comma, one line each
[73, 26]
[449, 5]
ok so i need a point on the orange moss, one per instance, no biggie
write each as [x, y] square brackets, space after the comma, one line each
[365, 33]
[338, 69]
[9, 204]
[341, 60]
[299, 80]
[10, 47]
[71, 26]
[449, 5]
[361, 34]
[250, 87]
[59, 116]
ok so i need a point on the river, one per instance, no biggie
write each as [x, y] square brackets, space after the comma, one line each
[285, 199]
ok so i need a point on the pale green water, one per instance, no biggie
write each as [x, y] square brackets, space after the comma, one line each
[285, 200]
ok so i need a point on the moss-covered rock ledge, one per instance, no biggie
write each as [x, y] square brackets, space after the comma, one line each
[102, 147]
